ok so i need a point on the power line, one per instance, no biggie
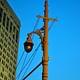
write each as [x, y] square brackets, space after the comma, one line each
[51, 26]
[40, 43]
[42, 28]
[29, 60]
[32, 59]
[20, 59]
[40, 63]
[34, 51]
[23, 51]
[36, 25]
[22, 65]
[32, 71]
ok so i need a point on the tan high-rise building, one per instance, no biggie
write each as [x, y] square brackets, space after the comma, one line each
[9, 37]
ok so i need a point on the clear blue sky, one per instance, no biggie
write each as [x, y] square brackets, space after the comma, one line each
[64, 37]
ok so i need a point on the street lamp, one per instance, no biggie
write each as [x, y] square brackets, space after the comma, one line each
[28, 45]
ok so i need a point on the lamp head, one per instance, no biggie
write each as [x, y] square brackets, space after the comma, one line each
[28, 45]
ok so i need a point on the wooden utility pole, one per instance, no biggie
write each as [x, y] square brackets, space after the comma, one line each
[44, 41]
[45, 44]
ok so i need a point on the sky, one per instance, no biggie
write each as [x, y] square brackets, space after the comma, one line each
[63, 42]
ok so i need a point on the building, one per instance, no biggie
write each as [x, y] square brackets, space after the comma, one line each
[9, 38]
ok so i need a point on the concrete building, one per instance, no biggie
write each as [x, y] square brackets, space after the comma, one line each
[9, 38]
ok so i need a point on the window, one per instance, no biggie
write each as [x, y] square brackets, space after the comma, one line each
[0, 53]
[4, 50]
[5, 45]
[1, 74]
[14, 67]
[9, 75]
[1, 41]
[5, 39]
[0, 59]
[8, 55]
[6, 34]
[6, 66]
[7, 24]
[12, 53]
[14, 29]
[10, 26]
[1, 11]
[3, 62]
[16, 36]
[13, 36]
[11, 58]
[12, 42]
[4, 56]
[0, 46]
[8, 49]
[13, 73]
[15, 56]
[7, 60]
[14, 32]
[10, 63]
[9, 38]
[5, 78]
[10, 69]
[14, 62]
[13, 78]
[3, 69]
[9, 43]
[4, 18]
[2, 35]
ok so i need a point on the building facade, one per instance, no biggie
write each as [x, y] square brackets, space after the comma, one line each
[9, 38]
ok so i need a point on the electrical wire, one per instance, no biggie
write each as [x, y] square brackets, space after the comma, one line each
[20, 59]
[36, 25]
[33, 54]
[36, 49]
[51, 26]
[32, 71]
[31, 60]
[28, 61]
[24, 51]
[22, 66]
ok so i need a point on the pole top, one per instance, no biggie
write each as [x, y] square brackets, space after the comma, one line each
[46, 1]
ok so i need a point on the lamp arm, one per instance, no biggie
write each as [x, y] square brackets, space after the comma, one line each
[38, 32]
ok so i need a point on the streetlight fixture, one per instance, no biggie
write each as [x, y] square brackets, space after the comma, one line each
[28, 45]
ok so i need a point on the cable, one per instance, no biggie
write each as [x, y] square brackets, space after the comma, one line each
[24, 51]
[31, 60]
[51, 25]
[20, 59]
[40, 43]
[22, 66]
[35, 26]
[33, 31]
[28, 61]
[42, 28]
[32, 71]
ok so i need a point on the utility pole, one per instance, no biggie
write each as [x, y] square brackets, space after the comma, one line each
[28, 45]
[45, 44]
